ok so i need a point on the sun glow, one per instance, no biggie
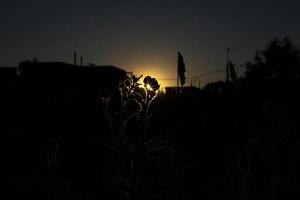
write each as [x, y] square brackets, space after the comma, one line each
[148, 87]
[155, 74]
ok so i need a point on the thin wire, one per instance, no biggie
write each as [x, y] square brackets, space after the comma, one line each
[194, 77]
[207, 73]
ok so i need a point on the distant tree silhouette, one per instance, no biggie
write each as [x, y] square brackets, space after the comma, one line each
[280, 59]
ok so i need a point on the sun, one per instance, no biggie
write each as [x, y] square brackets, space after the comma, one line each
[155, 75]
[148, 87]
[158, 71]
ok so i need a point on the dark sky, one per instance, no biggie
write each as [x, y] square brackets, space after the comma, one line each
[144, 36]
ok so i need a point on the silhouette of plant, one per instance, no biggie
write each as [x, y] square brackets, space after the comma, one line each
[134, 148]
[50, 178]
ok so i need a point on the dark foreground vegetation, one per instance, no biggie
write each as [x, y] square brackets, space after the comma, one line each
[66, 135]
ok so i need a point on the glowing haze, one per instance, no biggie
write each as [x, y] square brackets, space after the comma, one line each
[144, 36]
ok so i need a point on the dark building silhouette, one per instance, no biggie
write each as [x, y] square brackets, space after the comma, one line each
[62, 75]
[51, 97]
[8, 84]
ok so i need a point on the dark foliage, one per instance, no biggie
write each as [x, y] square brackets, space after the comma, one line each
[280, 59]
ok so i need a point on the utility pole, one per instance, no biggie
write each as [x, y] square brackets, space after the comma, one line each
[227, 65]
[75, 58]
[177, 81]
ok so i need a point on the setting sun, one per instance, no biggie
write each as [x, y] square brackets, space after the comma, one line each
[164, 79]
[148, 87]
